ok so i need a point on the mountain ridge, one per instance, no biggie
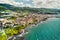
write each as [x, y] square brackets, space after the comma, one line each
[14, 8]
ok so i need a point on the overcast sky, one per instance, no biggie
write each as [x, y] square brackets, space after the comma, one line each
[34, 3]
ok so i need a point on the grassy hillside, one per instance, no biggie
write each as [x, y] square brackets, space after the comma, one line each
[4, 7]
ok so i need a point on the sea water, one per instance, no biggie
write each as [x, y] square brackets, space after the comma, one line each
[49, 30]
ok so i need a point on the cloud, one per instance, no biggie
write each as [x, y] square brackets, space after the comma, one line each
[12, 2]
[26, 0]
[28, 5]
[6, 1]
[46, 3]
[35, 3]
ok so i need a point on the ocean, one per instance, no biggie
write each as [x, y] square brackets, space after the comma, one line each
[48, 30]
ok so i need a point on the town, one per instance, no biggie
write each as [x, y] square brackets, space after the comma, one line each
[13, 23]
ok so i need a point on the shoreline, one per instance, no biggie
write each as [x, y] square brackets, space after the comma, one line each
[36, 24]
[30, 26]
[26, 30]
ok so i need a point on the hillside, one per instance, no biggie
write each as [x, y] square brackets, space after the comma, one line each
[4, 7]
